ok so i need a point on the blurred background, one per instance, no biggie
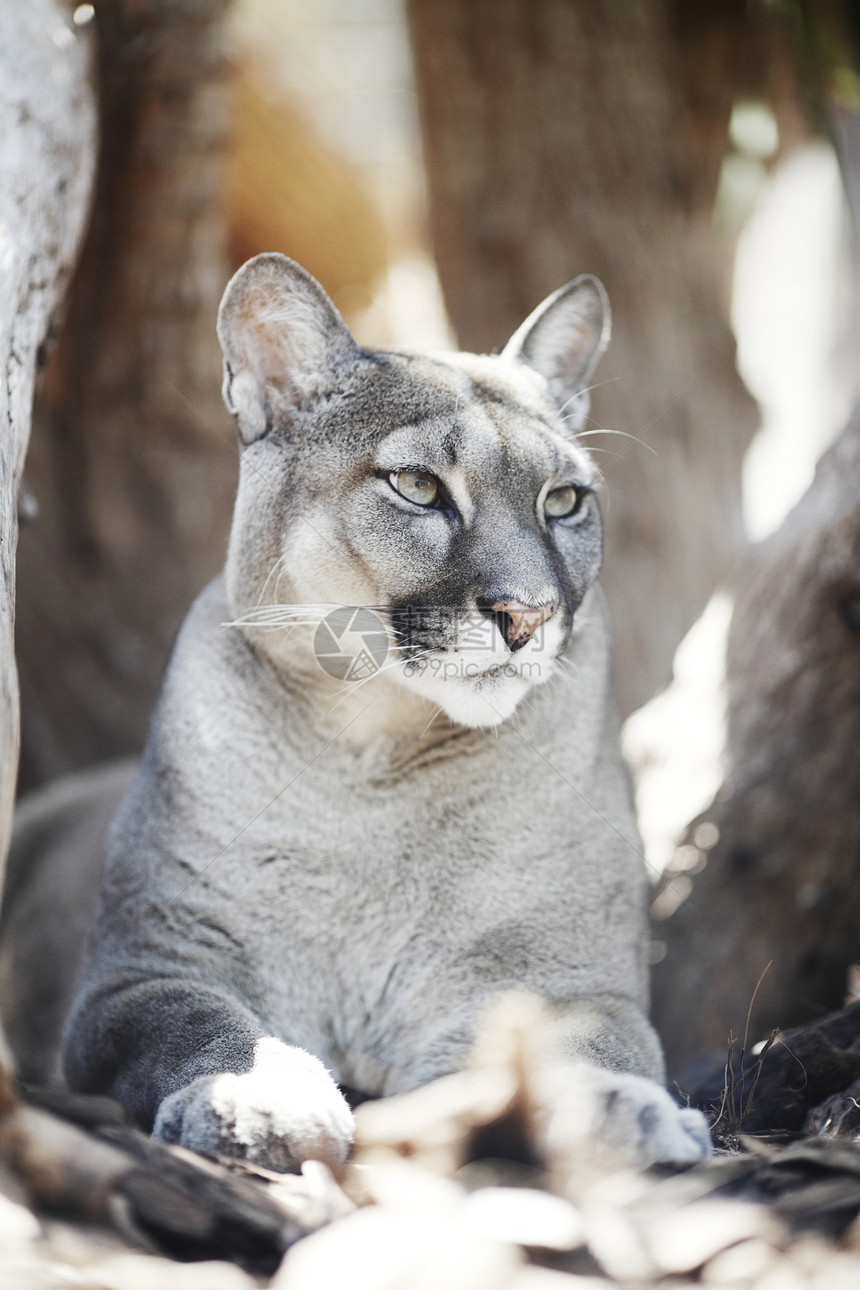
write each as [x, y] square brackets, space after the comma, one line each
[440, 166]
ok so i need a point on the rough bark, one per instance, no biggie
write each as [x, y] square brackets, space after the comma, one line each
[562, 137]
[781, 883]
[805, 1081]
[88, 1165]
[132, 461]
[47, 151]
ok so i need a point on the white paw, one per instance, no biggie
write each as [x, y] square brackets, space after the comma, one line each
[632, 1116]
[284, 1110]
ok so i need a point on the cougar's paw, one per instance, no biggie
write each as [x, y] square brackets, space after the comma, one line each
[632, 1116]
[284, 1110]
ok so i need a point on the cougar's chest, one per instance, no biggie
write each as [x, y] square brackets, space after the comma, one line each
[358, 895]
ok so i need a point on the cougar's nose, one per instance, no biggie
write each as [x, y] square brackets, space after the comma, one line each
[518, 622]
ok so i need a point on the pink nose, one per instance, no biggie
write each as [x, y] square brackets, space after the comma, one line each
[519, 622]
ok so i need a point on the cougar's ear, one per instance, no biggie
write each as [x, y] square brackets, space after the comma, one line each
[282, 340]
[565, 336]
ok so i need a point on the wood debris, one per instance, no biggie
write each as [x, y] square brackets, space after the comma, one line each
[455, 1186]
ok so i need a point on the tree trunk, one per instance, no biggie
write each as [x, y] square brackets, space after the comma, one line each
[563, 137]
[47, 151]
[133, 461]
[781, 882]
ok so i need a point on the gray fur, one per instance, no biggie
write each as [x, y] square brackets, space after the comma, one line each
[305, 876]
[53, 875]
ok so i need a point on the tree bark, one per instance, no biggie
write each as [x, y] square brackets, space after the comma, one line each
[47, 150]
[780, 886]
[133, 461]
[781, 883]
[562, 137]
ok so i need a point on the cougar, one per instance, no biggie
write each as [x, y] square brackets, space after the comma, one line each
[382, 784]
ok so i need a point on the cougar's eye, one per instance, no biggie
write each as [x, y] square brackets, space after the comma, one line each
[415, 486]
[561, 502]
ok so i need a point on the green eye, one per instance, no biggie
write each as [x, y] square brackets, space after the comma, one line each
[415, 486]
[562, 501]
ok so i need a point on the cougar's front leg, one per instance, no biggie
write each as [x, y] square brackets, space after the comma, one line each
[194, 1065]
[609, 1083]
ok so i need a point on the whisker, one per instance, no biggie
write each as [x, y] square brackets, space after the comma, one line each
[280, 561]
[598, 385]
[278, 611]
[587, 389]
[282, 615]
[622, 434]
[354, 686]
[433, 717]
[273, 622]
[588, 417]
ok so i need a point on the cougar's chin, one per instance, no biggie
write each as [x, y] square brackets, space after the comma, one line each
[472, 696]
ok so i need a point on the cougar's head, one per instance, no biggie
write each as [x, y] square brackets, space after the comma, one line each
[445, 497]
